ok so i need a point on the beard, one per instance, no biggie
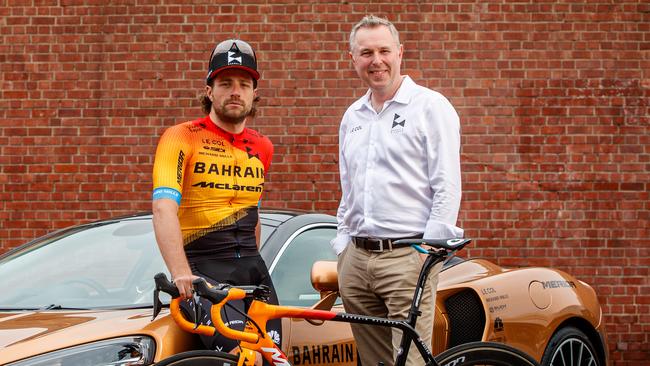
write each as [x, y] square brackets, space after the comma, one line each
[233, 117]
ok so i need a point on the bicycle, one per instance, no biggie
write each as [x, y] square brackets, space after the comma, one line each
[254, 338]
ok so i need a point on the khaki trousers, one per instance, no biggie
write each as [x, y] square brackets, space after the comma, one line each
[382, 284]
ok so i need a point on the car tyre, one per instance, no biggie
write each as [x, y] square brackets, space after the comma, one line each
[200, 358]
[569, 346]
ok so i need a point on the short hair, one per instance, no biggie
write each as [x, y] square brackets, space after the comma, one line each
[371, 21]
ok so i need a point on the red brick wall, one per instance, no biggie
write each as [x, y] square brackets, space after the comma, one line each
[553, 98]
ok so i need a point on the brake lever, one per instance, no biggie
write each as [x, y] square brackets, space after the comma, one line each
[198, 310]
[162, 284]
[157, 304]
[262, 292]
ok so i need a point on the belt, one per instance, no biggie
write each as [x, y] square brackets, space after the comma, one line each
[379, 244]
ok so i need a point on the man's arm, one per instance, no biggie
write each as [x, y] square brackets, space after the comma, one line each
[443, 160]
[342, 233]
[170, 243]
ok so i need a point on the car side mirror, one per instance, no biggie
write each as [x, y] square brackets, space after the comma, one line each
[324, 279]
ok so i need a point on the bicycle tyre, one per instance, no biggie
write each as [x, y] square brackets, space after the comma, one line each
[200, 358]
[484, 353]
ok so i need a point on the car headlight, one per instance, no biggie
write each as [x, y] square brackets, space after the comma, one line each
[126, 351]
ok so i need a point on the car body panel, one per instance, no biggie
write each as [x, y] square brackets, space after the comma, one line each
[328, 344]
[28, 334]
[524, 319]
[476, 299]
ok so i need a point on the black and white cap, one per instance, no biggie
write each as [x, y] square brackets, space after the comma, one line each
[233, 54]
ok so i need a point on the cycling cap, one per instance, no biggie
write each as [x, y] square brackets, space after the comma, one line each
[233, 54]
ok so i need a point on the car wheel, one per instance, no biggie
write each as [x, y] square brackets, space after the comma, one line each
[569, 346]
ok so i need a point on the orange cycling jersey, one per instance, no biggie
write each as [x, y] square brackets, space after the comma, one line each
[217, 179]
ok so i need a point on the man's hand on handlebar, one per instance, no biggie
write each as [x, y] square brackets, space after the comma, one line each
[184, 285]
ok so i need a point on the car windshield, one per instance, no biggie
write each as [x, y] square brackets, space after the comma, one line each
[109, 264]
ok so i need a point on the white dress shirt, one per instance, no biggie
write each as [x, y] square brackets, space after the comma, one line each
[400, 168]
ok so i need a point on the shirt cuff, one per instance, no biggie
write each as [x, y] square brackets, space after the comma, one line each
[441, 230]
[340, 242]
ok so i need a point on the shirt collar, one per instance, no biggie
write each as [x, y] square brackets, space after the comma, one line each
[403, 95]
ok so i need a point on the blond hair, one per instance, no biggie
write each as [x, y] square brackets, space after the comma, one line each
[371, 21]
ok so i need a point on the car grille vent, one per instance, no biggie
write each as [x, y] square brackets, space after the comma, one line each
[466, 317]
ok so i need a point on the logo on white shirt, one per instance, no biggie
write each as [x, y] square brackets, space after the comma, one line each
[355, 129]
[398, 124]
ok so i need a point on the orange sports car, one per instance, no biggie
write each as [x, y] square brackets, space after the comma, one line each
[83, 296]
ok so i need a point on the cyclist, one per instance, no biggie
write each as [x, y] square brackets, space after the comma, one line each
[208, 179]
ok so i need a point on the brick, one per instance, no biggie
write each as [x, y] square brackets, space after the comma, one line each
[552, 99]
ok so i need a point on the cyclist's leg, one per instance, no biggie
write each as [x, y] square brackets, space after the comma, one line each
[217, 271]
[243, 271]
[397, 274]
[230, 317]
[274, 326]
[357, 291]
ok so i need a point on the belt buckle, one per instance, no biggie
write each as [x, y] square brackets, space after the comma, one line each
[381, 245]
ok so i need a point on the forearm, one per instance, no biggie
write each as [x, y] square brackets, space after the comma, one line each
[169, 238]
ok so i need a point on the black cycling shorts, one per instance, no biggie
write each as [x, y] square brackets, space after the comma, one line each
[234, 271]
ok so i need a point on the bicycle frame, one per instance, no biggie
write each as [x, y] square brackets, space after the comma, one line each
[255, 339]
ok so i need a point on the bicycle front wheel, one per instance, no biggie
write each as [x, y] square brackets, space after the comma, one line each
[484, 353]
[200, 358]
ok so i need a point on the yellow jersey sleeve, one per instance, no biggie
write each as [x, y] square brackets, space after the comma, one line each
[173, 149]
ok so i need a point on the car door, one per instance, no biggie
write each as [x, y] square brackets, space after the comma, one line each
[329, 343]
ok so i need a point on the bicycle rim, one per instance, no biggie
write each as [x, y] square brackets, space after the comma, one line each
[484, 353]
[200, 358]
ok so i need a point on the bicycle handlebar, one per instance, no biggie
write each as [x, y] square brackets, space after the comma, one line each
[218, 297]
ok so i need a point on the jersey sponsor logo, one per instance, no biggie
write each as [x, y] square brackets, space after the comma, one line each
[232, 323]
[195, 128]
[212, 148]
[214, 142]
[228, 170]
[166, 192]
[220, 145]
[323, 354]
[179, 167]
[228, 186]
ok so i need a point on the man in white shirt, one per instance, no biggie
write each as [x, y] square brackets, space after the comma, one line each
[399, 161]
